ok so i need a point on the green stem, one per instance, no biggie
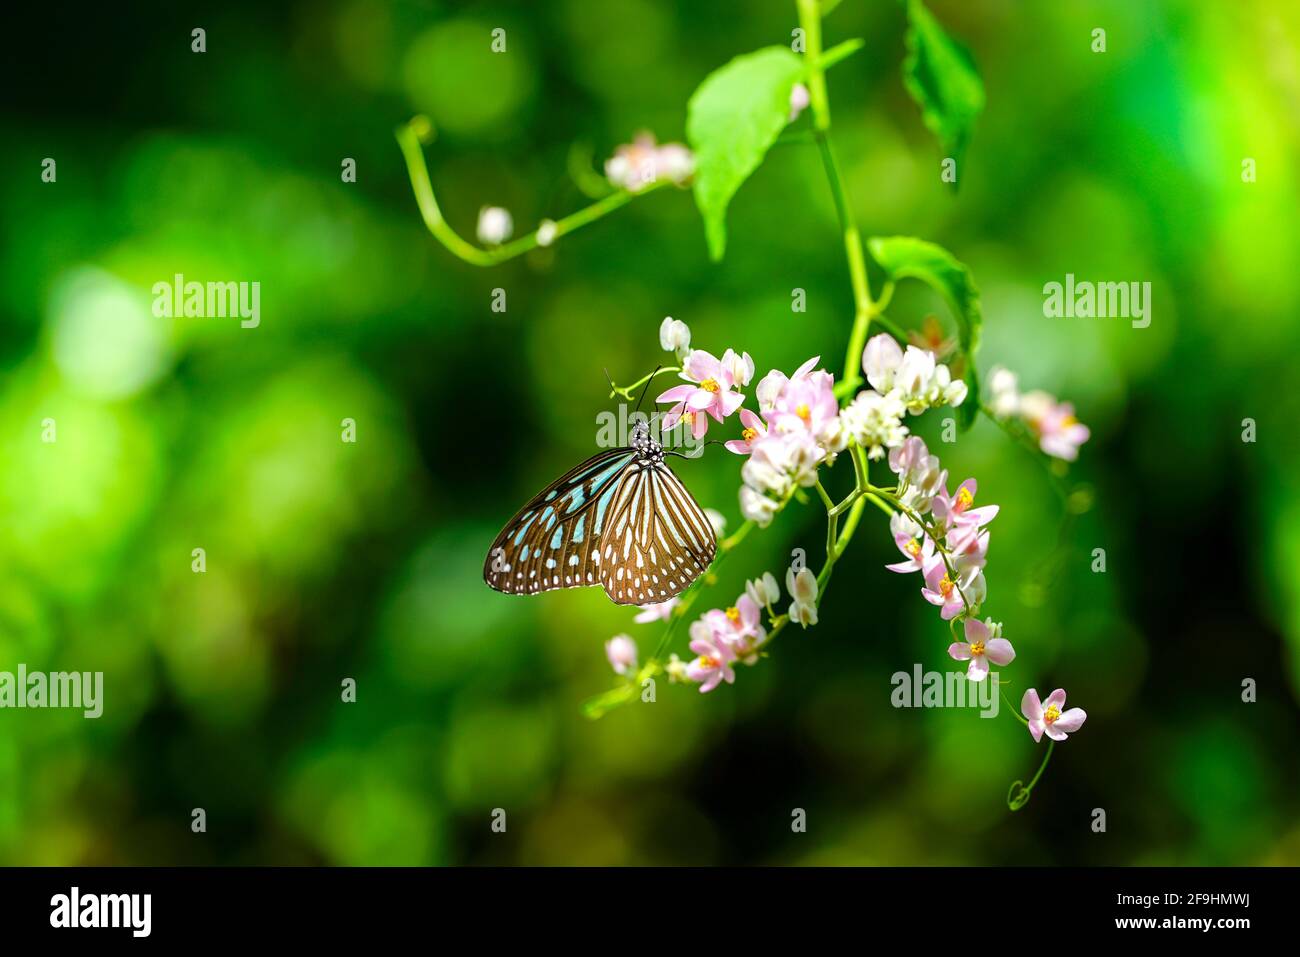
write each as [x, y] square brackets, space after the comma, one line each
[819, 102]
[1020, 797]
[409, 141]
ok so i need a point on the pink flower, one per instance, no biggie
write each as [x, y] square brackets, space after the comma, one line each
[636, 165]
[621, 652]
[711, 393]
[774, 383]
[916, 546]
[753, 430]
[969, 545]
[942, 590]
[658, 611]
[1060, 434]
[1047, 716]
[739, 627]
[713, 665]
[956, 510]
[979, 648]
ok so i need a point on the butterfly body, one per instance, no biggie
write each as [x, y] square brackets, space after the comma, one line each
[621, 520]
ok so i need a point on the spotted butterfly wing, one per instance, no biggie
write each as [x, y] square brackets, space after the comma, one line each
[657, 540]
[621, 519]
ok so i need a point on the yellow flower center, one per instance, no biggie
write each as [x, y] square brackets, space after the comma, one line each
[803, 411]
[709, 385]
[734, 614]
[976, 648]
[708, 662]
[1069, 421]
[1051, 714]
[749, 435]
[964, 498]
[913, 548]
[945, 586]
[688, 417]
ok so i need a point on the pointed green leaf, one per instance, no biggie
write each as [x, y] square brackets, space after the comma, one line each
[941, 77]
[731, 120]
[905, 257]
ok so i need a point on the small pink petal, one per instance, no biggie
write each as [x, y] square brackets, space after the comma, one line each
[999, 651]
[959, 650]
[1030, 707]
[979, 669]
[1071, 720]
[976, 630]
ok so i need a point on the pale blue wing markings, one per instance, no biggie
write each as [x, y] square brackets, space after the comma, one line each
[551, 494]
[576, 498]
[577, 529]
[523, 528]
[601, 505]
[548, 517]
[558, 537]
[523, 554]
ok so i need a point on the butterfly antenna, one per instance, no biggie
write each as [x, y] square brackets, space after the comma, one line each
[647, 388]
[613, 389]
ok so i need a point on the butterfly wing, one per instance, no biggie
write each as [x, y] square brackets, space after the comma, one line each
[657, 540]
[553, 541]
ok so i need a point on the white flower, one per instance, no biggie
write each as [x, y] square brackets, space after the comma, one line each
[799, 100]
[657, 611]
[638, 164]
[675, 336]
[621, 652]
[875, 422]
[494, 225]
[803, 589]
[546, 232]
[763, 591]
[1004, 392]
[880, 359]
[914, 377]
[675, 162]
[757, 507]
[676, 670]
[717, 520]
[741, 367]
[900, 524]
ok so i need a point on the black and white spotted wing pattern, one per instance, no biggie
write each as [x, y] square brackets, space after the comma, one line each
[621, 520]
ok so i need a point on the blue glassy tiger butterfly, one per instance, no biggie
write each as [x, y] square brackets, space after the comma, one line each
[621, 520]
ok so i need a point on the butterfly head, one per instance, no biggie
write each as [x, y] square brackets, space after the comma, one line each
[645, 447]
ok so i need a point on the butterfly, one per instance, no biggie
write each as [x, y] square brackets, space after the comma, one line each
[621, 520]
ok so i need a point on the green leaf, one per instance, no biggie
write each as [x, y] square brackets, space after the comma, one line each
[905, 257]
[731, 120]
[942, 78]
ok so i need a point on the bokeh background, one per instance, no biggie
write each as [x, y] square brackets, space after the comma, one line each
[328, 560]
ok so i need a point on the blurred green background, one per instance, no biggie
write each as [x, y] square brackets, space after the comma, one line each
[328, 560]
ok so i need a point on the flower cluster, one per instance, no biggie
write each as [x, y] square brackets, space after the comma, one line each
[710, 391]
[720, 638]
[643, 162]
[902, 382]
[950, 551]
[798, 427]
[1053, 424]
